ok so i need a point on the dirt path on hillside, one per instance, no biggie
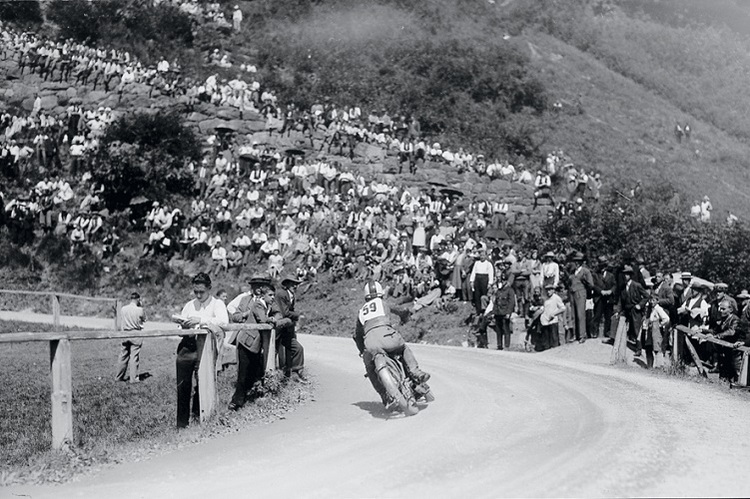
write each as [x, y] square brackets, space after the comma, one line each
[504, 424]
[73, 321]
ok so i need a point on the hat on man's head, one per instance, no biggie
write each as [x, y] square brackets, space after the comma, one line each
[550, 286]
[290, 279]
[744, 295]
[686, 275]
[577, 256]
[259, 279]
[602, 259]
[721, 286]
[549, 254]
[698, 284]
[627, 269]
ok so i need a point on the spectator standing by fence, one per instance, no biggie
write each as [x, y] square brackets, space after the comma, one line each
[293, 356]
[204, 311]
[133, 319]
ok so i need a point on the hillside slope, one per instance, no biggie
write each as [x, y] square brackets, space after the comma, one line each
[627, 132]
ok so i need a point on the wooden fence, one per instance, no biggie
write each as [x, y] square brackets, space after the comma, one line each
[61, 373]
[682, 338]
[54, 298]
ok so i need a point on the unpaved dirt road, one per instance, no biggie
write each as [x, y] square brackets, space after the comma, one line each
[504, 425]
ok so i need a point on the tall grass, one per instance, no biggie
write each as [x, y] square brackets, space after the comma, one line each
[113, 421]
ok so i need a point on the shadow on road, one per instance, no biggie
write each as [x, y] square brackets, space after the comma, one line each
[376, 410]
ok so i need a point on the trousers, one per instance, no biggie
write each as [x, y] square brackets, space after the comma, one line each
[187, 371]
[249, 370]
[130, 356]
[503, 331]
[291, 352]
[578, 304]
[388, 341]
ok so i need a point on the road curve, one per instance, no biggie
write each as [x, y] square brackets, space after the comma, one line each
[504, 425]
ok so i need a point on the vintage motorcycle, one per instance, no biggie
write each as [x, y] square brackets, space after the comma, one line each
[404, 392]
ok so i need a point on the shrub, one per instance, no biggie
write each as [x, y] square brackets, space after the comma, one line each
[77, 19]
[145, 155]
[23, 13]
[667, 238]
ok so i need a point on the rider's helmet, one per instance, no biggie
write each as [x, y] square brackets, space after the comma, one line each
[373, 289]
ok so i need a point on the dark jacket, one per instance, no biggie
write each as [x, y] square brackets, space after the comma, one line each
[505, 301]
[285, 305]
[635, 295]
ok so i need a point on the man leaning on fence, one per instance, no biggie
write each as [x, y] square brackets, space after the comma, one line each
[204, 311]
[254, 308]
[133, 319]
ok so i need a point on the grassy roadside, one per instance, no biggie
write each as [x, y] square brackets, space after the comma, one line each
[113, 421]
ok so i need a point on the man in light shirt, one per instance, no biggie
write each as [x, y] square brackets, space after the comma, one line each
[204, 311]
[132, 320]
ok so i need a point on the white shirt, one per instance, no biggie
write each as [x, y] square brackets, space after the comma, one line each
[211, 311]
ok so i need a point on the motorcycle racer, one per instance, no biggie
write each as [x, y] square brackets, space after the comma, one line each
[375, 337]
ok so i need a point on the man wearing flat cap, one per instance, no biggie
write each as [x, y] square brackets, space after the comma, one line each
[292, 355]
[634, 298]
[581, 284]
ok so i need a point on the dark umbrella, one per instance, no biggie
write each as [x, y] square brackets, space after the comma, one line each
[450, 191]
[295, 152]
[437, 184]
[225, 129]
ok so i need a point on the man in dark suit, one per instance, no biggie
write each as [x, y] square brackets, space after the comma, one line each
[605, 282]
[255, 308]
[293, 354]
[634, 298]
[581, 284]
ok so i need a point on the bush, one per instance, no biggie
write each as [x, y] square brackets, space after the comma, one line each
[23, 13]
[652, 227]
[145, 155]
[77, 19]
[405, 58]
[143, 30]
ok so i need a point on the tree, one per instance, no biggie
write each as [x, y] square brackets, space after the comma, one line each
[145, 155]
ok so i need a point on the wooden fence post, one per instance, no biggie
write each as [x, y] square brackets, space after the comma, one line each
[118, 315]
[269, 349]
[742, 379]
[62, 393]
[55, 300]
[677, 346]
[696, 358]
[621, 342]
[207, 376]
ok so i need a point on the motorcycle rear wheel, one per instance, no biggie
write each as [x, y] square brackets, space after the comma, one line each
[407, 405]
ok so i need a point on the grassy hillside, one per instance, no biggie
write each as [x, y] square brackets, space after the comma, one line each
[625, 74]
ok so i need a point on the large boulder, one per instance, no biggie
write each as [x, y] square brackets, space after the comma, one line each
[49, 102]
[18, 92]
[369, 153]
[195, 116]
[500, 186]
[94, 97]
[228, 113]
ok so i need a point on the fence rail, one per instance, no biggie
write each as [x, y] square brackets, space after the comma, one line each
[60, 357]
[682, 337]
[55, 296]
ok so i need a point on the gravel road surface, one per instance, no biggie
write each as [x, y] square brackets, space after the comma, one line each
[504, 424]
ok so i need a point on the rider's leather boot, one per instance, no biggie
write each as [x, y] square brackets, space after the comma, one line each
[420, 376]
